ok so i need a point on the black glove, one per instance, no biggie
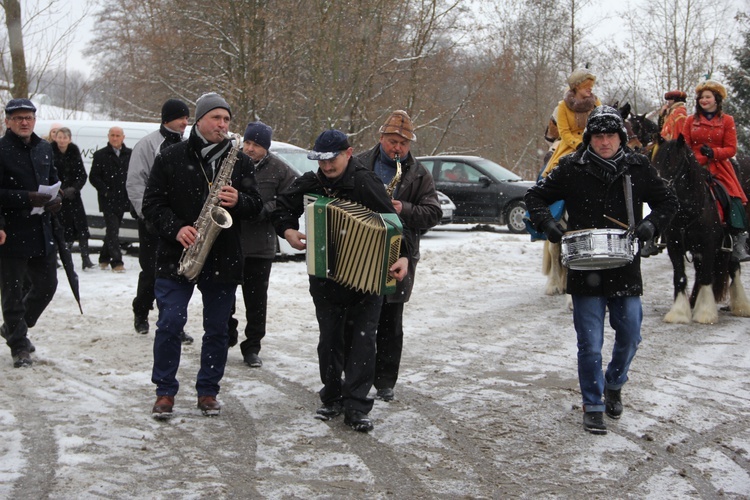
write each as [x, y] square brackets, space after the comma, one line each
[39, 199]
[645, 230]
[69, 193]
[707, 151]
[553, 230]
[55, 205]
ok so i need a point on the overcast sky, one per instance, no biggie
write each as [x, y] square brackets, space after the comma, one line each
[598, 19]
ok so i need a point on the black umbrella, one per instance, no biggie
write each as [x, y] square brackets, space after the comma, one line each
[66, 258]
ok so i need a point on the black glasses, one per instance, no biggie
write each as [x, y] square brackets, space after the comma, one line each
[21, 119]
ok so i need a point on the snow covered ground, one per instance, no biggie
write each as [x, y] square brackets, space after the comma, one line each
[487, 405]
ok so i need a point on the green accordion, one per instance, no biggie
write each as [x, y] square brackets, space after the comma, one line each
[351, 244]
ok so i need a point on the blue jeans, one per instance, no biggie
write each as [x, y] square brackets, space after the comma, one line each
[625, 315]
[172, 298]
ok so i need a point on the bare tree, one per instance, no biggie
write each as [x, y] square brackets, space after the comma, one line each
[681, 44]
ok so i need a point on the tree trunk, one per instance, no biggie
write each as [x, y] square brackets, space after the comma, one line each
[20, 86]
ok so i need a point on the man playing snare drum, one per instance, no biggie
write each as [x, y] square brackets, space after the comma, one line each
[592, 183]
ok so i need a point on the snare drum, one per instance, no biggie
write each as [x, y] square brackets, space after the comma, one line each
[595, 249]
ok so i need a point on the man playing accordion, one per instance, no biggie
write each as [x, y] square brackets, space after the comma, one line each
[347, 318]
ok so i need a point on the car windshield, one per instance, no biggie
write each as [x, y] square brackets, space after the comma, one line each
[498, 172]
[296, 157]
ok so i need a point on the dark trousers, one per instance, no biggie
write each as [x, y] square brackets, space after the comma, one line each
[390, 342]
[172, 298]
[27, 285]
[147, 243]
[348, 322]
[255, 295]
[111, 252]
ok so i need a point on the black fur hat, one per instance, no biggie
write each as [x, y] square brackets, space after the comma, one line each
[605, 120]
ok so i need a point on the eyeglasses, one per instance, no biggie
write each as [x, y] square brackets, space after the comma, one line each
[21, 119]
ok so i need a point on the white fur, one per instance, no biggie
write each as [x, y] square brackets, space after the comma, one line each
[553, 269]
[680, 312]
[705, 310]
[738, 303]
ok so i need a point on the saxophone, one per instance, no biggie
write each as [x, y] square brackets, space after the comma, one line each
[396, 178]
[212, 219]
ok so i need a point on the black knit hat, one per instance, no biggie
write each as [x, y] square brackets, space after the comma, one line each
[605, 120]
[173, 109]
[259, 133]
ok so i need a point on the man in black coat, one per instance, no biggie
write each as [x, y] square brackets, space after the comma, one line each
[595, 182]
[29, 253]
[347, 318]
[109, 172]
[174, 121]
[259, 240]
[415, 201]
[181, 180]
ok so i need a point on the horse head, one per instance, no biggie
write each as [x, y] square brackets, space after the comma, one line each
[676, 163]
[643, 128]
[624, 110]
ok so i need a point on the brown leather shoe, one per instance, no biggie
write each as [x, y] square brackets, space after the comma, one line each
[209, 406]
[162, 409]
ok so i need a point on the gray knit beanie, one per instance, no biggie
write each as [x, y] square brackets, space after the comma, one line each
[207, 102]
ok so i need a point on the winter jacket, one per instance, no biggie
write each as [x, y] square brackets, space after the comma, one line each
[258, 236]
[175, 194]
[571, 115]
[108, 175]
[420, 210]
[141, 161]
[674, 121]
[720, 135]
[589, 195]
[73, 176]
[357, 184]
[23, 167]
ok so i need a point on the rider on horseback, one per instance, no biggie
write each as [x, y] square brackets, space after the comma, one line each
[712, 136]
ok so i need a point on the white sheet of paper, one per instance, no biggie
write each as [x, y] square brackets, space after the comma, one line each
[50, 190]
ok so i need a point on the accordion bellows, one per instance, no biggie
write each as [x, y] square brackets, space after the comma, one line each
[351, 244]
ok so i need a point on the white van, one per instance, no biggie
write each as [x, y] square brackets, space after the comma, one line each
[90, 135]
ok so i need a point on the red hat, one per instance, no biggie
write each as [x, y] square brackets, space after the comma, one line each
[675, 95]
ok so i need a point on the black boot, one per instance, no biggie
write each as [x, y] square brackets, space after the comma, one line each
[739, 247]
[612, 403]
[85, 260]
[649, 248]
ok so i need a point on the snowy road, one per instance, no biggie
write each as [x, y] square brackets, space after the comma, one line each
[487, 404]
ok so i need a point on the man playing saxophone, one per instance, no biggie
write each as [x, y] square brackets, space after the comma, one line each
[182, 179]
[415, 200]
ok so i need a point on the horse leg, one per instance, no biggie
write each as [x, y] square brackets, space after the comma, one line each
[680, 311]
[738, 302]
[703, 300]
[556, 272]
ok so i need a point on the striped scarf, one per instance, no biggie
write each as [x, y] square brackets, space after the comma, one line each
[610, 166]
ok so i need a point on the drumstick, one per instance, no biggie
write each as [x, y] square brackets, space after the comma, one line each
[617, 222]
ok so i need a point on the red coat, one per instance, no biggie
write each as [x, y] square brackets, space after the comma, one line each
[720, 135]
[674, 122]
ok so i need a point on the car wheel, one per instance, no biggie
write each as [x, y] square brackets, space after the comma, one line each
[515, 214]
